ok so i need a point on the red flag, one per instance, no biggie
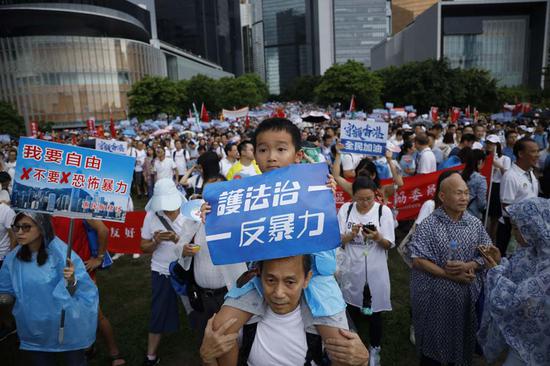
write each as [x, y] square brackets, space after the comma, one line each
[34, 129]
[434, 114]
[112, 128]
[352, 104]
[204, 114]
[100, 131]
[73, 139]
[476, 114]
[455, 114]
[467, 112]
[247, 122]
[91, 126]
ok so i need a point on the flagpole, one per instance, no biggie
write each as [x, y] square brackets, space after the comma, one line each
[68, 257]
[485, 221]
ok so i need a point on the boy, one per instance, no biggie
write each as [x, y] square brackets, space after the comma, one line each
[277, 145]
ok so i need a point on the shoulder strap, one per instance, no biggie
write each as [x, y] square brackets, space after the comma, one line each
[164, 222]
[249, 333]
[380, 214]
[349, 211]
[174, 155]
[314, 349]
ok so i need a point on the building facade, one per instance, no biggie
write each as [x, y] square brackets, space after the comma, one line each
[508, 38]
[405, 11]
[67, 61]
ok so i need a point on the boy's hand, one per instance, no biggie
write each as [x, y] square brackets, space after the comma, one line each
[205, 209]
[331, 183]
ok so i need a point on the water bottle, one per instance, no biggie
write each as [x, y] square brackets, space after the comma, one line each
[453, 251]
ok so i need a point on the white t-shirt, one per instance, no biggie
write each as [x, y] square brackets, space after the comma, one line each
[164, 169]
[515, 186]
[350, 161]
[366, 260]
[247, 171]
[280, 340]
[180, 158]
[426, 210]
[504, 161]
[6, 219]
[427, 162]
[140, 158]
[167, 251]
[225, 165]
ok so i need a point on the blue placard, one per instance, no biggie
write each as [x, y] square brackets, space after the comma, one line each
[285, 212]
[71, 181]
[364, 137]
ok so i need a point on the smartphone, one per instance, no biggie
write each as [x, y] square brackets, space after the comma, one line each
[370, 227]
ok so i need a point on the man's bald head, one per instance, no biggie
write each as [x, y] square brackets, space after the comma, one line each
[454, 194]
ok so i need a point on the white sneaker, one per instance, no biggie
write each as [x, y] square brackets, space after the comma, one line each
[136, 256]
[116, 256]
[411, 335]
[374, 356]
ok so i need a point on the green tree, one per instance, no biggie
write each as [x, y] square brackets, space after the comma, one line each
[302, 88]
[341, 81]
[476, 88]
[10, 120]
[246, 90]
[203, 89]
[153, 95]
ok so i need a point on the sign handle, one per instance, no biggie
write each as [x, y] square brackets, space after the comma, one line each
[69, 249]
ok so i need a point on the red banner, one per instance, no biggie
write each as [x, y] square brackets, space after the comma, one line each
[125, 237]
[434, 112]
[415, 191]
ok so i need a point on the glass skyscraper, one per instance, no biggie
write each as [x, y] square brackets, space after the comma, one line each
[358, 26]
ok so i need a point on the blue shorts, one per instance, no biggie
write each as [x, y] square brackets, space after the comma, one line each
[164, 305]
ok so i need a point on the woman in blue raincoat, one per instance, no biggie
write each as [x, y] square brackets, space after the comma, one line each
[516, 315]
[44, 284]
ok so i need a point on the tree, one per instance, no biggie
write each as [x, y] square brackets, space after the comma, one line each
[341, 81]
[477, 89]
[10, 120]
[203, 89]
[302, 88]
[153, 95]
[246, 90]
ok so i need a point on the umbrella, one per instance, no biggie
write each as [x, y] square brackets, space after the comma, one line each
[129, 132]
[315, 117]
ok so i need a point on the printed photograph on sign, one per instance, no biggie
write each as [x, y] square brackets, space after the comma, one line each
[71, 181]
[364, 137]
[282, 213]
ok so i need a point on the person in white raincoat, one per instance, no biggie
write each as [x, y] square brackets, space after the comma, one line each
[364, 258]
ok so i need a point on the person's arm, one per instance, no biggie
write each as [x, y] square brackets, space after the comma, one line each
[346, 186]
[347, 350]
[397, 178]
[216, 344]
[102, 238]
[464, 277]
[184, 181]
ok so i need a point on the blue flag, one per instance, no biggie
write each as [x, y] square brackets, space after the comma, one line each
[285, 212]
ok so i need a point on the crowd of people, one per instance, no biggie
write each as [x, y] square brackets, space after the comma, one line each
[479, 250]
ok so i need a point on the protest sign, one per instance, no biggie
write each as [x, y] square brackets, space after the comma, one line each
[364, 137]
[125, 237]
[285, 212]
[114, 146]
[71, 181]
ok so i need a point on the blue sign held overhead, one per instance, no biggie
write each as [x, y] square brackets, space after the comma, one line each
[71, 181]
[364, 137]
[285, 212]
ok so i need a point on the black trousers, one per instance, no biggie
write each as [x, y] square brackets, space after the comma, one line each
[426, 361]
[504, 233]
[198, 319]
[375, 324]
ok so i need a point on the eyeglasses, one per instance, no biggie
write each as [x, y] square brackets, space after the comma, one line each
[25, 227]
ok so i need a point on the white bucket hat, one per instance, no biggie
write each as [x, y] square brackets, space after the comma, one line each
[166, 197]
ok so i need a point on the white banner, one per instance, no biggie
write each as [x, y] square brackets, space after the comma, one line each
[239, 113]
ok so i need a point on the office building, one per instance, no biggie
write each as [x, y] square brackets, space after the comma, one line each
[403, 12]
[67, 61]
[507, 38]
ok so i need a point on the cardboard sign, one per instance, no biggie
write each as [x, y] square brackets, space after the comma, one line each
[364, 137]
[71, 181]
[285, 212]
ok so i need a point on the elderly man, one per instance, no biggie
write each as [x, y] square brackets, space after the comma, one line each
[446, 278]
[284, 334]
